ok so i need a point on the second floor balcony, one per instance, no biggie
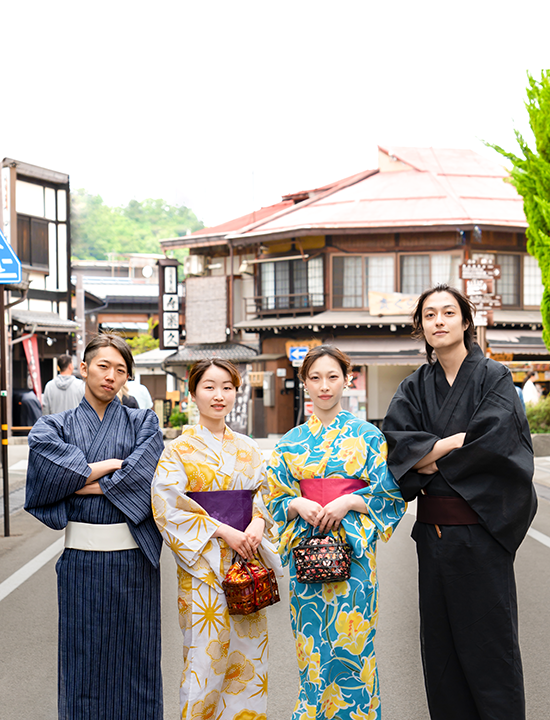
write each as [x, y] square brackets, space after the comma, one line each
[291, 304]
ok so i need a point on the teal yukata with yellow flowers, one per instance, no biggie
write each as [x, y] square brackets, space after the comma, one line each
[334, 624]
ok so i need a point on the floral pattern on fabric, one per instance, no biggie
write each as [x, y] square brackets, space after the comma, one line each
[225, 656]
[334, 624]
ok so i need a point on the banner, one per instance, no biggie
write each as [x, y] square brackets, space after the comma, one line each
[381, 303]
[30, 346]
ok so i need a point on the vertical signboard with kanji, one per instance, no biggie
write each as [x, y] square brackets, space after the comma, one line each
[169, 307]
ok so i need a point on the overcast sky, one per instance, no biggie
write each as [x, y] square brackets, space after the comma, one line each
[225, 106]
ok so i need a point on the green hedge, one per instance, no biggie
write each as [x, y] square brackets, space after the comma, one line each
[179, 419]
[539, 416]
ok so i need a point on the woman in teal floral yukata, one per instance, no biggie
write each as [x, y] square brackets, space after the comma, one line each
[334, 455]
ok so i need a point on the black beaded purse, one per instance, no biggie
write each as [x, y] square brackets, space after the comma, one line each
[322, 558]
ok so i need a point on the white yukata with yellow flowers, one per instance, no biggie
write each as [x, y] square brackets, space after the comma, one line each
[225, 656]
[334, 624]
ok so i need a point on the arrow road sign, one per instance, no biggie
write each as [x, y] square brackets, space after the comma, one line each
[10, 265]
[297, 353]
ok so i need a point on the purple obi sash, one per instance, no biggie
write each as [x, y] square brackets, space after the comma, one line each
[232, 507]
[323, 490]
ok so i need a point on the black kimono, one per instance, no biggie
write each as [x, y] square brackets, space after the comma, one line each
[468, 607]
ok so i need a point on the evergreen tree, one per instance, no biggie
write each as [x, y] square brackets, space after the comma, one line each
[531, 178]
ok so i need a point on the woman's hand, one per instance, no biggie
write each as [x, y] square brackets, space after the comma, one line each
[91, 489]
[255, 532]
[237, 540]
[307, 509]
[335, 510]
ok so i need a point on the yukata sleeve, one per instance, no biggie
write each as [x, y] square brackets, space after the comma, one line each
[185, 526]
[56, 470]
[407, 441]
[129, 488]
[283, 488]
[383, 498]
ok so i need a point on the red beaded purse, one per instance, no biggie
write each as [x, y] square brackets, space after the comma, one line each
[248, 587]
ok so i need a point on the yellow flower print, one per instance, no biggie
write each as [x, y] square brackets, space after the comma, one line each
[249, 715]
[314, 424]
[309, 713]
[296, 464]
[239, 673]
[329, 436]
[331, 590]
[206, 709]
[353, 631]
[354, 451]
[368, 673]
[304, 648]
[159, 511]
[218, 649]
[332, 701]
[382, 454]
[359, 714]
[199, 476]
[314, 669]
[251, 626]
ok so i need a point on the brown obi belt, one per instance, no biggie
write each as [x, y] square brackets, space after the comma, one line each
[323, 490]
[437, 510]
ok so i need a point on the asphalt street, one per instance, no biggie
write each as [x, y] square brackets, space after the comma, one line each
[28, 622]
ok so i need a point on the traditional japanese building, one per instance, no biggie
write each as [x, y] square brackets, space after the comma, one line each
[342, 263]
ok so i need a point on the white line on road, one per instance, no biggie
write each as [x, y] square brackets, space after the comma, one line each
[541, 537]
[24, 573]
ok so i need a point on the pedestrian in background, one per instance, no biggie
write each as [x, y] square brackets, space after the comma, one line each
[459, 442]
[90, 472]
[65, 391]
[531, 393]
[330, 476]
[208, 505]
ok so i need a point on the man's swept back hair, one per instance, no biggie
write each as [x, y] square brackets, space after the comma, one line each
[110, 340]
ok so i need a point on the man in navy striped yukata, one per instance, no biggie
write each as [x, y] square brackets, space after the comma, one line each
[90, 471]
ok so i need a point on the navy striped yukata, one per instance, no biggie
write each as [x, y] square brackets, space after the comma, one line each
[109, 602]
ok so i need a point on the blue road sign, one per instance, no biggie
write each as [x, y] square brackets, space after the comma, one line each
[10, 264]
[297, 353]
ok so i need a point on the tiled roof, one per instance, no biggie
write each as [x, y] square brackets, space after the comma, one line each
[43, 320]
[431, 188]
[227, 351]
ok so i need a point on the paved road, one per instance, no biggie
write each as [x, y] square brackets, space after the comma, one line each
[28, 627]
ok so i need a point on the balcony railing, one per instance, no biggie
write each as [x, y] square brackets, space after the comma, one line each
[276, 305]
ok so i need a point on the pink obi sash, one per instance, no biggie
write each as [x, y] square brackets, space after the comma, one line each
[323, 490]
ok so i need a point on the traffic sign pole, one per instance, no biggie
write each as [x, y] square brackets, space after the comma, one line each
[4, 414]
[10, 274]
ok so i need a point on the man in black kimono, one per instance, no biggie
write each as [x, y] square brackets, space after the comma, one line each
[459, 442]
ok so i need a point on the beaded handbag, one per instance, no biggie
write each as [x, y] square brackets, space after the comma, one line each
[322, 558]
[248, 587]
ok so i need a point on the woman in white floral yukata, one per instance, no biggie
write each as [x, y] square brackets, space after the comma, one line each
[208, 505]
[331, 473]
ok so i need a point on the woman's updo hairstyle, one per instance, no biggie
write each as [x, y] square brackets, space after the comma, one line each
[201, 366]
[315, 353]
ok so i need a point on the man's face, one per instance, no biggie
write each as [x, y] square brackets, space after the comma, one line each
[104, 374]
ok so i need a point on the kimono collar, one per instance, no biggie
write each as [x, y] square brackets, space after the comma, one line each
[316, 426]
[112, 407]
[228, 435]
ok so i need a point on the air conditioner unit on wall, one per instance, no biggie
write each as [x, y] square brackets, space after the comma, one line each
[193, 264]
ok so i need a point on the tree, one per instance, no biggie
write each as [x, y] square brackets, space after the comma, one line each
[145, 342]
[98, 229]
[531, 177]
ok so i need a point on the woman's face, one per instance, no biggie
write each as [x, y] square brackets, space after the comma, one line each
[215, 393]
[442, 321]
[325, 383]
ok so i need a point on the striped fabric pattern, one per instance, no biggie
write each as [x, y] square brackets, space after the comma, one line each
[109, 602]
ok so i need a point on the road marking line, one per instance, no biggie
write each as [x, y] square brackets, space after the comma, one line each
[24, 573]
[541, 537]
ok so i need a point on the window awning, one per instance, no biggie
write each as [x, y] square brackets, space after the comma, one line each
[383, 351]
[518, 342]
[33, 320]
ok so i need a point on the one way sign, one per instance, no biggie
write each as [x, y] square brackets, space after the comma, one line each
[10, 265]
